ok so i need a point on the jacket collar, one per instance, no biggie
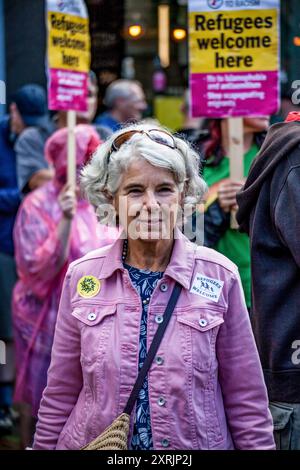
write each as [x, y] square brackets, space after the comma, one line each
[180, 267]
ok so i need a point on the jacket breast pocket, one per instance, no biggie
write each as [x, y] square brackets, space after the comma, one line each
[95, 323]
[199, 329]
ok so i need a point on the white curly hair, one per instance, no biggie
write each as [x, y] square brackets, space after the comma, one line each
[101, 177]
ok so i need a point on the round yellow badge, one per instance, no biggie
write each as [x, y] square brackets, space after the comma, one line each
[88, 286]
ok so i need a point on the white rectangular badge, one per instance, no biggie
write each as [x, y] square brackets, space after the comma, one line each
[207, 287]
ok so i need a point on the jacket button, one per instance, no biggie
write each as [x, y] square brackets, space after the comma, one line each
[164, 287]
[159, 360]
[92, 316]
[159, 319]
[161, 401]
[165, 443]
[202, 322]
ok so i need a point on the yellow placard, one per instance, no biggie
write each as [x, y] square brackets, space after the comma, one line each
[68, 42]
[233, 41]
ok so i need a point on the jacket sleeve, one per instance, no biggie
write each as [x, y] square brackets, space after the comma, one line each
[64, 376]
[287, 215]
[9, 200]
[241, 378]
[37, 246]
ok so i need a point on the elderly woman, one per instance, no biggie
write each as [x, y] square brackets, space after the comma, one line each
[205, 387]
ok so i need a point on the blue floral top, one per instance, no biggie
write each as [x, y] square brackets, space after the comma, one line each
[144, 282]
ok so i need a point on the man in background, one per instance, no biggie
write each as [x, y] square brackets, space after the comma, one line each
[126, 102]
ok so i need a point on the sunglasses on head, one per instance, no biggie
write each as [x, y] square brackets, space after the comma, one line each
[158, 136]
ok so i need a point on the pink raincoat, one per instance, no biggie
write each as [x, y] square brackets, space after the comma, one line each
[38, 249]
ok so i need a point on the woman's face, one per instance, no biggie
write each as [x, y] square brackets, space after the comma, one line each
[147, 202]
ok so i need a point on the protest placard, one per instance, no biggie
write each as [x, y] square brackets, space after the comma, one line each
[68, 54]
[234, 57]
[68, 60]
[234, 65]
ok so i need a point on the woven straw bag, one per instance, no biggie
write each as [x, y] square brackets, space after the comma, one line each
[115, 436]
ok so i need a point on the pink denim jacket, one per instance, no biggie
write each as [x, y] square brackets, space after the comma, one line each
[207, 368]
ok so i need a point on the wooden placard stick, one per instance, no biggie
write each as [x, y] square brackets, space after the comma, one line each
[236, 155]
[71, 121]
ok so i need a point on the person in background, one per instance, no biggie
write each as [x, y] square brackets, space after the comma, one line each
[125, 100]
[54, 226]
[269, 211]
[93, 89]
[192, 128]
[88, 116]
[9, 203]
[221, 197]
[31, 123]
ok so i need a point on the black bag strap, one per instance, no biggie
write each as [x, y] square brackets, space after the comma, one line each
[153, 348]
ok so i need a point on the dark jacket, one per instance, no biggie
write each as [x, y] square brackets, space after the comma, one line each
[269, 210]
[9, 192]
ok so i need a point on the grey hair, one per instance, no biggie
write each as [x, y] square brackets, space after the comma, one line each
[100, 180]
[121, 88]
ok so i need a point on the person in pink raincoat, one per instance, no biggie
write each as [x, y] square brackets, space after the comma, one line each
[54, 227]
